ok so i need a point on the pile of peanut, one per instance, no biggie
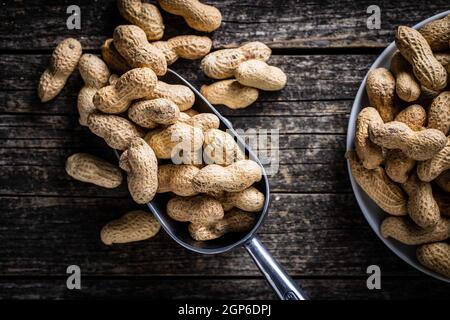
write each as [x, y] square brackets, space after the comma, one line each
[402, 143]
[155, 123]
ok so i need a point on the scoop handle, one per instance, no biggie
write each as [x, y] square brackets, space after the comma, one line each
[282, 284]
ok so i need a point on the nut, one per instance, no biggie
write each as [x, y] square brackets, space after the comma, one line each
[406, 85]
[181, 95]
[429, 170]
[221, 148]
[377, 185]
[87, 168]
[197, 209]
[177, 179]
[134, 84]
[258, 74]
[435, 256]
[380, 87]
[398, 166]
[439, 113]
[417, 145]
[63, 62]
[113, 58]
[443, 181]
[416, 50]
[437, 33]
[144, 15]
[230, 93]
[133, 226]
[204, 121]
[234, 178]
[187, 47]
[139, 161]
[198, 16]
[221, 64]
[369, 153]
[250, 199]
[414, 116]
[131, 42]
[150, 113]
[116, 131]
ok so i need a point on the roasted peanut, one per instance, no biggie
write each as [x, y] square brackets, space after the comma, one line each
[422, 208]
[196, 209]
[95, 74]
[116, 131]
[198, 16]
[177, 179]
[187, 47]
[139, 161]
[134, 84]
[150, 113]
[404, 230]
[113, 58]
[429, 170]
[417, 145]
[221, 148]
[370, 154]
[250, 199]
[416, 50]
[439, 113]
[63, 62]
[414, 116]
[234, 221]
[406, 85]
[181, 95]
[133, 226]
[131, 42]
[144, 15]
[380, 88]
[222, 64]
[87, 168]
[204, 121]
[437, 33]
[230, 93]
[258, 74]
[234, 178]
[377, 185]
[398, 165]
[435, 256]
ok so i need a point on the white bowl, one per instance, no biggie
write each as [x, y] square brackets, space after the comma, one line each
[371, 211]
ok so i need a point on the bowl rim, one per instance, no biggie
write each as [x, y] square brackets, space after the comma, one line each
[364, 202]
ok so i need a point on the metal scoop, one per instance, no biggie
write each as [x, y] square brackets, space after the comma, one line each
[281, 283]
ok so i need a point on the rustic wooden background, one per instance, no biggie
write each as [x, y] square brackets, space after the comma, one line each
[315, 228]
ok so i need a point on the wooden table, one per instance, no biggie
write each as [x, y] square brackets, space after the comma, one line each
[48, 221]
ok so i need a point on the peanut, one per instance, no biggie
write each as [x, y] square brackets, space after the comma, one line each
[221, 148]
[113, 58]
[144, 15]
[87, 168]
[258, 74]
[439, 113]
[168, 142]
[181, 95]
[417, 145]
[139, 161]
[377, 185]
[95, 74]
[398, 165]
[197, 209]
[204, 121]
[63, 62]
[133, 226]
[234, 178]
[191, 112]
[414, 116]
[444, 59]
[250, 199]
[150, 113]
[370, 154]
[131, 42]
[113, 78]
[116, 131]
[230, 93]
[221, 64]
[443, 181]
[380, 87]
[428, 170]
[234, 221]
[422, 208]
[435, 256]
[198, 16]
[134, 84]
[417, 52]
[404, 230]
[437, 33]
[443, 201]
[406, 85]
[187, 47]
[177, 179]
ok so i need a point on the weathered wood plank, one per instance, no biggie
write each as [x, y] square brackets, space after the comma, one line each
[311, 77]
[231, 289]
[317, 235]
[280, 24]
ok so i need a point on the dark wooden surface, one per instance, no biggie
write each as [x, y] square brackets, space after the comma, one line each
[315, 228]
